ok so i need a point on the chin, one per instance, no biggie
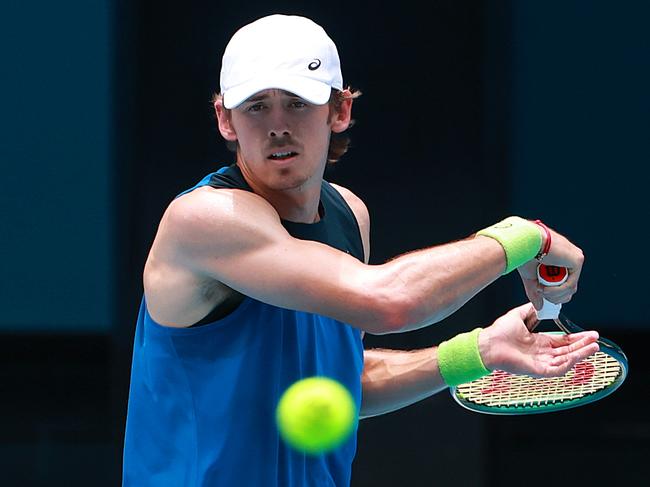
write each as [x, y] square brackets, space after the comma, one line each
[288, 179]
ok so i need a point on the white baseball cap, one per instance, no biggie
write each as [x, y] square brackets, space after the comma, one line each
[285, 52]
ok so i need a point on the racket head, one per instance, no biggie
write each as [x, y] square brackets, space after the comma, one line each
[590, 380]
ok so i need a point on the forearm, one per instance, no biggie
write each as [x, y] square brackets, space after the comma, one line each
[430, 284]
[393, 379]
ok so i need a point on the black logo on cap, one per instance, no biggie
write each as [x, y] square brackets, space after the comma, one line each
[314, 65]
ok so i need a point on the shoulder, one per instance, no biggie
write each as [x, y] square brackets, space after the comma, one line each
[216, 206]
[209, 217]
[222, 200]
[360, 211]
[355, 203]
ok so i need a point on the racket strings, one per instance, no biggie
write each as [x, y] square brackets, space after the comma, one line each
[502, 389]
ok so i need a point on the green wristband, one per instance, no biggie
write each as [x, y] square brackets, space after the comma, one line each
[521, 240]
[459, 359]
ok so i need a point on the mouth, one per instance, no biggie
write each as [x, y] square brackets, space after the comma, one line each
[282, 155]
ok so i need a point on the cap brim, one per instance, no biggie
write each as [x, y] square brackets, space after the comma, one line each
[311, 90]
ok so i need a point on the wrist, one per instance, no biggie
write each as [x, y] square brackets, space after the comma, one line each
[459, 359]
[485, 348]
[520, 239]
[546, 240]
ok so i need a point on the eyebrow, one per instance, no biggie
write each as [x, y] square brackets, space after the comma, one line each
[255, 98]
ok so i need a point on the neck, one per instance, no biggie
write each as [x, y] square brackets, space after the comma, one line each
[297, 204]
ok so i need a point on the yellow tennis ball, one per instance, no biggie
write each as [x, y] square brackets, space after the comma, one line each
[315, 415]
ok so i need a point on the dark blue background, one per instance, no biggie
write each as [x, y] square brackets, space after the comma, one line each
[58, 188]
[471, 111]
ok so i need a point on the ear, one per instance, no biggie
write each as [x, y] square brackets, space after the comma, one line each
[341, 118]
[224, 120]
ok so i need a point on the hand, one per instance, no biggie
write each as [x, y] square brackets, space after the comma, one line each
[563, 254]
[509, 345]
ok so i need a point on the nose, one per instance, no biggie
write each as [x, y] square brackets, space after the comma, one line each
[278, 125]
[279, 133]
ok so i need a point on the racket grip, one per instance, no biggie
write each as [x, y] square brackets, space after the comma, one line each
[550, 276]
[549, 311]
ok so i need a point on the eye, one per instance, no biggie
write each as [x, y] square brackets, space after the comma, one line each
[298, 104]
[256, 107]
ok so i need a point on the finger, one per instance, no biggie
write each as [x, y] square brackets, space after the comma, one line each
[561, 299]
[534, 293]
[574, 277]
[538, 300]
[568, 338]
[559, 366]
[551, 293]
[560, 294]
[565, 344]
[566, 361]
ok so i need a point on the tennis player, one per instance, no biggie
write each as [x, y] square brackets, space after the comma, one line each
[258, 277]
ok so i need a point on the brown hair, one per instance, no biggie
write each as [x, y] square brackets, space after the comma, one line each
[339, 143]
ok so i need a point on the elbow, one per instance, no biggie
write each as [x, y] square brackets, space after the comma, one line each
[395, 314]
[390, 304]
[403, 312]
[394, 320]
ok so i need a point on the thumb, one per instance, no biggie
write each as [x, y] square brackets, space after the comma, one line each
[525, 312]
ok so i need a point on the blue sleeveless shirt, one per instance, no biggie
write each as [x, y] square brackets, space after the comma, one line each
[202, 399]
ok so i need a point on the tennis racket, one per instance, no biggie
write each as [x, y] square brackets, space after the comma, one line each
[589, 380]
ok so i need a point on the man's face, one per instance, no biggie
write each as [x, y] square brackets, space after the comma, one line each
[283, 139]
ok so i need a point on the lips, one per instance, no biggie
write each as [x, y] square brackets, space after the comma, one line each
[282, 155]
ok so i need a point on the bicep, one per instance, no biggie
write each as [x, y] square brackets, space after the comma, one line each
[238, 240]
[288, 272]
